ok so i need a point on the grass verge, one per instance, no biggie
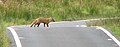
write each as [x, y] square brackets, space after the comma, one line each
[112, 24]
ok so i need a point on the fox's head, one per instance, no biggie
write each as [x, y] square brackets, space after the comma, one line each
[52, 20]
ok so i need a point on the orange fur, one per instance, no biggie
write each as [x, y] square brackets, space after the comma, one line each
[42, 20]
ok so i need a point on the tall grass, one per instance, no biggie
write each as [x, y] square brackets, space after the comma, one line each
[60, 9]
[21, 12]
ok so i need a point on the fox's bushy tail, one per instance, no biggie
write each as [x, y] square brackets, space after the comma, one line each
[33, 23]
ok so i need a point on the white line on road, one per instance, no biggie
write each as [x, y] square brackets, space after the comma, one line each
[109, 39]
[21, 38]
[77, 25]
[109, 34]
[17, 41]
[83, 26]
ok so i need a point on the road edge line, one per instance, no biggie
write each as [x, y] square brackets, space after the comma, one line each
[109, 34]
[16, 38]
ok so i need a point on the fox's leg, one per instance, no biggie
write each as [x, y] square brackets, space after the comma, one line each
[44, 24]
[38, 24]
[47, 25]
[35, 25]
[31, 25]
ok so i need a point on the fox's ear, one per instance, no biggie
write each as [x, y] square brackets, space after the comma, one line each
[53, 20]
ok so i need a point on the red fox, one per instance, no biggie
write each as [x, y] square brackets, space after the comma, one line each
[42, 20]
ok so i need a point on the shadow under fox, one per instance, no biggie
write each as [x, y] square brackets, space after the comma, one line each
[39, 20]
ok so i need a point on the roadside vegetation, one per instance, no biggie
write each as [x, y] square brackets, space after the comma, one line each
[111, 24]
[22, 12]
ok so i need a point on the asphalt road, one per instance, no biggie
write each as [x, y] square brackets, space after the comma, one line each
[62, 34]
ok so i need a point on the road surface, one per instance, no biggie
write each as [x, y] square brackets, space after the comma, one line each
[61, 34]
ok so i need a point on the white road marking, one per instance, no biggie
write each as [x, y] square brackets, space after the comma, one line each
[109, 39]
[77, 25]
[21, 38]
[109, 34]
[16, 38]
[83, 26]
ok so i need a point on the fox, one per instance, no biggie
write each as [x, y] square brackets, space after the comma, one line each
[40, 20]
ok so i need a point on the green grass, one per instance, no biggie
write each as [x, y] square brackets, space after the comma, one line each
[112, 24]
[22, 12]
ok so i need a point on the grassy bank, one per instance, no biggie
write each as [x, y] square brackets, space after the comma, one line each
[22, 12]
[112, 24]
